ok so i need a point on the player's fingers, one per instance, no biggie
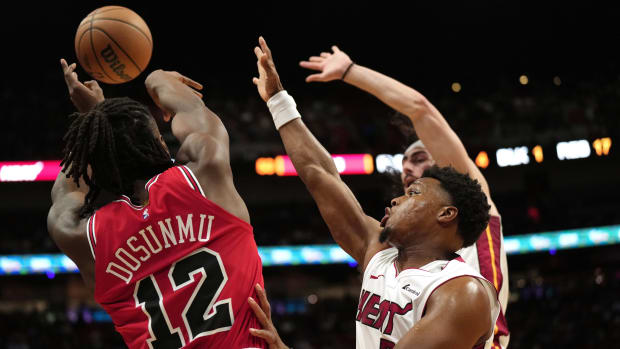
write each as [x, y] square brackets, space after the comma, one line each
[260, 67]
[268, 336]
[264, 303]
[189, 82]
[258, 52]
[255, 81]
[264, 47]
[311, 65]
[325, 54]
[335, 48]
[260, 314]
[92, 85]
[197, 94]
[316, 59]
[63, 64]
[264, 62]
[193, 84]
[314, 78]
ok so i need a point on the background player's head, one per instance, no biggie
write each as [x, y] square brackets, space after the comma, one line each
[416, 160]
[111, 147]
[443, 208]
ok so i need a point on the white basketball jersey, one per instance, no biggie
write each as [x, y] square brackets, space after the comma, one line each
[391, 302]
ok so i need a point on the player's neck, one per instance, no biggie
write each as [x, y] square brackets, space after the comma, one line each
[418, 255]
[140, 192]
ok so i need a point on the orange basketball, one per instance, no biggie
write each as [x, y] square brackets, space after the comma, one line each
[113, 44]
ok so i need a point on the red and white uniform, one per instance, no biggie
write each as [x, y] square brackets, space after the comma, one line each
[488, 257]
[391, 303]
[178, 271]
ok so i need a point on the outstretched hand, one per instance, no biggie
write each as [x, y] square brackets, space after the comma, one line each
[263, 313]
[83, 95]
[154, 79]
[331, 66]
[268, 82]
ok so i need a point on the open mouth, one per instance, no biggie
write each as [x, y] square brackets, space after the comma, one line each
[385, 218]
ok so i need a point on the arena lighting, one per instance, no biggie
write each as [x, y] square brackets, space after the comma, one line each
[387, 162]
[265, 166]
[29, 171]
[523, 79]
[482, 160]
[456, 87]
[602, 146]
[512, 156]
[347, 164]
[538, 153]
[51, 264]
[571, 150]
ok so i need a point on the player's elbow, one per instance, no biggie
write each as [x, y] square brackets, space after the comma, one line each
[314, 176]
[418, 107]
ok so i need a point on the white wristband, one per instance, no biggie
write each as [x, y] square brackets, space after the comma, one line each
[283, 109]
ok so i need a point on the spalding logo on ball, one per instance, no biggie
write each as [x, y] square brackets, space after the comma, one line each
[113, 44]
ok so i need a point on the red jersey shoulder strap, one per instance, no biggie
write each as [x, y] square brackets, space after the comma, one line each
[190, 178]
[90, 234]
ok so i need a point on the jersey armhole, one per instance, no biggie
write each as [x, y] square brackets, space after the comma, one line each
[90, 235]
[191, 179]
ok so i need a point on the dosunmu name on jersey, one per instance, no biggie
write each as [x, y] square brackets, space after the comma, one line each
[154, 239]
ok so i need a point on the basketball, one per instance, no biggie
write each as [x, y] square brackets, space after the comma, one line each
[113, 44]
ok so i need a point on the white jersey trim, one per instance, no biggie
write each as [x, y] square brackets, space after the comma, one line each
[195, 180]
[88, 232]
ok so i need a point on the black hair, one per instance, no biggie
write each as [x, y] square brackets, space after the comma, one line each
[116, 140]
[405, 126]
[467, 196]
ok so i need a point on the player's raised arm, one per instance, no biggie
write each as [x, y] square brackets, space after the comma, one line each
[177, 97]
[63, 219]
[352, 229]
[442, 143]
[203, 137]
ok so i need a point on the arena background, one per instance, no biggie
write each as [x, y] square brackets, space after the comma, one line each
[565, 297]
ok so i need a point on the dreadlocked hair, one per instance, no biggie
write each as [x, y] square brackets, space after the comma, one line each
[116, 140]
[468, 197]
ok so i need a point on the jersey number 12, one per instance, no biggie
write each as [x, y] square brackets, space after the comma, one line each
[197, 322]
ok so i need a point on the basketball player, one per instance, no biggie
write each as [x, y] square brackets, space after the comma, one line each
[171, 256]
[416, 291]
[439, 145]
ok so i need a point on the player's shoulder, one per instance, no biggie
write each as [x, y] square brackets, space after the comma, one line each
[177, 174]
[380, 260]
[466, 292]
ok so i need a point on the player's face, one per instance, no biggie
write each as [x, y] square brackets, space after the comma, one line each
[416, 211]
[415, 161]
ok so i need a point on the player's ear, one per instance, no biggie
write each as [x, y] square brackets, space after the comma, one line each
[447, 215]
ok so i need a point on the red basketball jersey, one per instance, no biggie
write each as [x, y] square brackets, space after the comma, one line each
[178, 271]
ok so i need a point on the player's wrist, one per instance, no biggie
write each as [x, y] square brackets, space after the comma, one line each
[283, 109]
[347, 70]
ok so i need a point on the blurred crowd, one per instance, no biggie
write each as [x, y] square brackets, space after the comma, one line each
[508, 114]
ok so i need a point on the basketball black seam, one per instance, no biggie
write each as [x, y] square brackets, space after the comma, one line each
[80, 42]
[92, 45]
[108, 10]
[125, 22]
[119, 46]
